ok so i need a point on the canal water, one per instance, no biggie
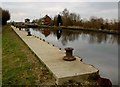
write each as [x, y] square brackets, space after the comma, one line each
[98, 49]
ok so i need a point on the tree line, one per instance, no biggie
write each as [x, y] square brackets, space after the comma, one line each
[73, 19]
[4, 16]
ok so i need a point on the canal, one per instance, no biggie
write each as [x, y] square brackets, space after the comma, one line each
[98, 49]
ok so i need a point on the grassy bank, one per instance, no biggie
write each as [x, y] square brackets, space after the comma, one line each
[19, 65]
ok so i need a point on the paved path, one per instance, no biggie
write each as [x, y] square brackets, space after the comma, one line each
[52, 57]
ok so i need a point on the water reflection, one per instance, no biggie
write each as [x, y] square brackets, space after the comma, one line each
[91, 37]
[99, 38]
[45, 32]
[72, 35]
[69, 36]
[59, 32]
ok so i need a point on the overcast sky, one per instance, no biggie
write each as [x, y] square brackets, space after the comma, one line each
[20, 9]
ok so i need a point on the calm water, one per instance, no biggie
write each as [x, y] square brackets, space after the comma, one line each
[98, 49]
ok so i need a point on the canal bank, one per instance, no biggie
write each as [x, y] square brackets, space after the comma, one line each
[52, 57]
[107, 31]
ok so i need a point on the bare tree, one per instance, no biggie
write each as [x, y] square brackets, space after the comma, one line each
[5, 16]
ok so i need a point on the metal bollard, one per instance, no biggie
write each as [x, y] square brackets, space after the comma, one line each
[69, 56]
[29, 34]
[19, 28]
[59, 48]
[44, 40]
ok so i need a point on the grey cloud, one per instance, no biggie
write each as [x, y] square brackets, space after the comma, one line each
[36, 9]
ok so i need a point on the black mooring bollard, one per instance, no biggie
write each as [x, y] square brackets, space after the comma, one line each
[29, 34]
[19, 28]
[69, 56]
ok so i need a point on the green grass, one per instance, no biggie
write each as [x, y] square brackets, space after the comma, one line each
[19, 65]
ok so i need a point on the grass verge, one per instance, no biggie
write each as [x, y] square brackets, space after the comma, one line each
[19, 65]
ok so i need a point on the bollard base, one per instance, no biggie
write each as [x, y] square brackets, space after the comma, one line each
[69, 58]
[29, 35]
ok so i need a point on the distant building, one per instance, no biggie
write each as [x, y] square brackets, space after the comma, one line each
[46, 20]
[27, 20]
